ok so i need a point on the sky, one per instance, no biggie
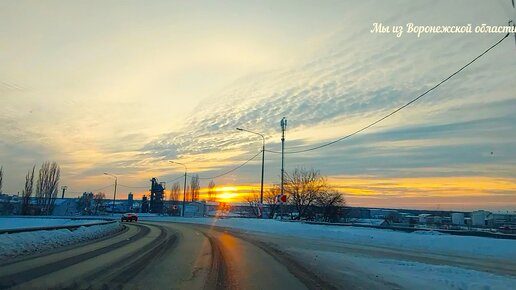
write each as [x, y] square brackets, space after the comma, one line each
[126, 86]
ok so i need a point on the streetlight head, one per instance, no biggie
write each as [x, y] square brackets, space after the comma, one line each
[240, 129]
[106, 173]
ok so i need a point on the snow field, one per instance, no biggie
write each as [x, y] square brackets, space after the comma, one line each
[409, 274]
[18, 244]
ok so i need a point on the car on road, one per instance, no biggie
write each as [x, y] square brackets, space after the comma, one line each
[129, 217]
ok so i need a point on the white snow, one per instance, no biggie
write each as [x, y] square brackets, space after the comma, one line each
[413, 275]
[419, 240]
[16, 244]
[17, 223]
[405, 274]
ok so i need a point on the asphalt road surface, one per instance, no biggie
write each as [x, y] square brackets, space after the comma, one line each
[150, 255]
[161, 255]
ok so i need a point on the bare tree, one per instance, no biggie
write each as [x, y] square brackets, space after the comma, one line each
[1, 177]
[330, 201]
[211, 191]
[270, 199]
[175, 190]
[47, 186]
[304, 187]
[98, 200]
[194, 187]
[84, 203]
[27, 192]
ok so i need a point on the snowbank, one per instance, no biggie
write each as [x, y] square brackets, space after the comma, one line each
[18, 222]
[13, 245]
[410, 274]
[420, 241]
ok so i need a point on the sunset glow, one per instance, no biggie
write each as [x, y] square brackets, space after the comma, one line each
[429, 192]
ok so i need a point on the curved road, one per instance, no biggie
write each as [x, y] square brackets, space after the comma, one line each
[165, 255]
[154, 255]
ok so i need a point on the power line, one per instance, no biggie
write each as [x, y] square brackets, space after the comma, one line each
[92, 190]
[212, 177]
[127, 186]
[179, 177]
[398, 109]
[235, 168]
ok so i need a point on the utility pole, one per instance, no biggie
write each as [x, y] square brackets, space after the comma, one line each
[114, 193]
[64, 188]
[184, 197]
[184, 187]
[263, 160]
[283, 124]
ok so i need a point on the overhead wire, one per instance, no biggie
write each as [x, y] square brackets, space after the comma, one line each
[234, 169]
[127, 186]
[349, 135]
[398, 109]
[211, 177]
[104, 187]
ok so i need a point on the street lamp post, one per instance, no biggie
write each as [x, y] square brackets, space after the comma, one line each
[283, 124]
[114, 194]
[263, 159]
[184, 188]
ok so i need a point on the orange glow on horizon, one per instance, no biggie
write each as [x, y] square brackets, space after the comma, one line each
[452, 192]
[224, 193]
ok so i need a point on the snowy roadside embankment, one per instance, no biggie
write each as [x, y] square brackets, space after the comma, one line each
[420, 241]
[27, 223]
[18, 244]
[408, 274]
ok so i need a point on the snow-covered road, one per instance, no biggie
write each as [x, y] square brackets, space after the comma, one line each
[383, 259]
[432, 242]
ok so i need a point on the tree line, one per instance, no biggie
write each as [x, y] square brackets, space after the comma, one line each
[46, 189]
[308, 194]
[192, 190]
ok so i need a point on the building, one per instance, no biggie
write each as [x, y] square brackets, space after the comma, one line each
[384, 213]
[156, 197]
[130, 201]
[145, 205]
[66, 206]
[426, 218]
[478, 218]
[370, 222]
[355, 213]
[195, 209]
[457, 218]
[498, 219]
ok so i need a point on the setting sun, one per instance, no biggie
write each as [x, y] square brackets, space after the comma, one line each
[227, 193]
[226, 196]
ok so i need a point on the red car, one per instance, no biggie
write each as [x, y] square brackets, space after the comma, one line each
[129, 217]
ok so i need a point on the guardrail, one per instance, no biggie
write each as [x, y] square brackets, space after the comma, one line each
[411, 229]
[57, 227]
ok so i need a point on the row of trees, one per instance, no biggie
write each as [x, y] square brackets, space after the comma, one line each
[89, 204]
[46, 190]
[309, 193]
[193, 190]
